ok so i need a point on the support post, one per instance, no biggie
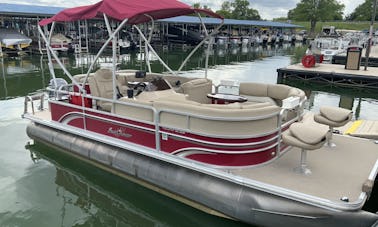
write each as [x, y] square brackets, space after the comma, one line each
[367, 53]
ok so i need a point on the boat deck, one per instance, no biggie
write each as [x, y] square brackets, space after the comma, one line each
[336, 172]
[45, 115]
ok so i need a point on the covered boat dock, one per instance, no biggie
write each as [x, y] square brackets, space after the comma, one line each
[24, 18]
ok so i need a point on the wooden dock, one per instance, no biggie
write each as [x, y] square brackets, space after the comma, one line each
[361, 128]
[331, 74]
[367, 129]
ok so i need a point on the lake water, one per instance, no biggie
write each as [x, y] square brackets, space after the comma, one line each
[42, 187]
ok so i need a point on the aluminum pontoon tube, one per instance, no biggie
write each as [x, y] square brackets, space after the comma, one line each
[229, 198]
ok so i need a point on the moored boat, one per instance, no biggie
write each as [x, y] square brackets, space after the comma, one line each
[221, 151]
[61, 43]
[13, 40]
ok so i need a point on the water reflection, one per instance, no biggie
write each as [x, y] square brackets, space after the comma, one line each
[21, 75]
[106, 200]
[363, 101]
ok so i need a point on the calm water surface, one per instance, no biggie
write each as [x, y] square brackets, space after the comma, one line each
[43, 188]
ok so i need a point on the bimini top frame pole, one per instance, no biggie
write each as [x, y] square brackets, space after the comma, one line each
[215, 31]
[50, 52]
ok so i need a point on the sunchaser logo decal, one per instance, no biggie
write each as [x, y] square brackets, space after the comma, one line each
[120, 132]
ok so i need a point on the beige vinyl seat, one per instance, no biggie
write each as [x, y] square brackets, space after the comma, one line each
[197, 90]
[101, 85]
[306, 137]
[333, 117]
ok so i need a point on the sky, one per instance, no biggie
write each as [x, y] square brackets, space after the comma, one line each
[268, 9]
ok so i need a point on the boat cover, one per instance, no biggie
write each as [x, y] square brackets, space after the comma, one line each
[133, 10]
[11, 37]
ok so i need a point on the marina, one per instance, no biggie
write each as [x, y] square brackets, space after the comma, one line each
[167, 132]
[70, 192]
[207, 132]
[88, 35]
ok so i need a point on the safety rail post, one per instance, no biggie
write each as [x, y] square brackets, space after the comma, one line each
[31, 99]
[279, 125]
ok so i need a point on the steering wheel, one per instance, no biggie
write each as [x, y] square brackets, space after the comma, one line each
[139, 87]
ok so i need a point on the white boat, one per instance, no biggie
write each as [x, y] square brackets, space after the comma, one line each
[13, 40]
[222, 40]
[61, 43]
[330, 46]
[228, 154]
[330, 43]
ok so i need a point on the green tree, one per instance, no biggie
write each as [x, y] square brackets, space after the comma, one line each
[316, 10]
[239, 9]
[243, 12]
[198, 6]
[226, 10]
[362, 12]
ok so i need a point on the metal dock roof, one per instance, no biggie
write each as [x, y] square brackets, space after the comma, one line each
[28, 10]
[37, 10]
[208, 20]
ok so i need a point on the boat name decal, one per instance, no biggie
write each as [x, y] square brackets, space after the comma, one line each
[174, 130]
[120, 132]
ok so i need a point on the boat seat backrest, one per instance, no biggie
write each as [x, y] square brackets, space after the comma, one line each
[255, 89]
[147, 98]
[277, 92]
[104, 81]
[175, 102]
[177, 81]
[101, 85]
[227, 126]
[79, 78]
[135, 112]
[198, 89]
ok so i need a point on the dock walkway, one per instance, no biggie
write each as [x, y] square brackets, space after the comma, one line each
[331, 73]
[361, 128]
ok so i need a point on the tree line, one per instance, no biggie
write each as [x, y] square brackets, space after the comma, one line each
[237, 9]
[306, 10]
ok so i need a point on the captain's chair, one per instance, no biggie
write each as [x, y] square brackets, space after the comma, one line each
[101, 85]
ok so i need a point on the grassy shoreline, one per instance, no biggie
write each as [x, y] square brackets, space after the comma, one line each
[349, 25]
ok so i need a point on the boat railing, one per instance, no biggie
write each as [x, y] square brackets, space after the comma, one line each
[276, 131]
[156, 121]
[30, 99]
